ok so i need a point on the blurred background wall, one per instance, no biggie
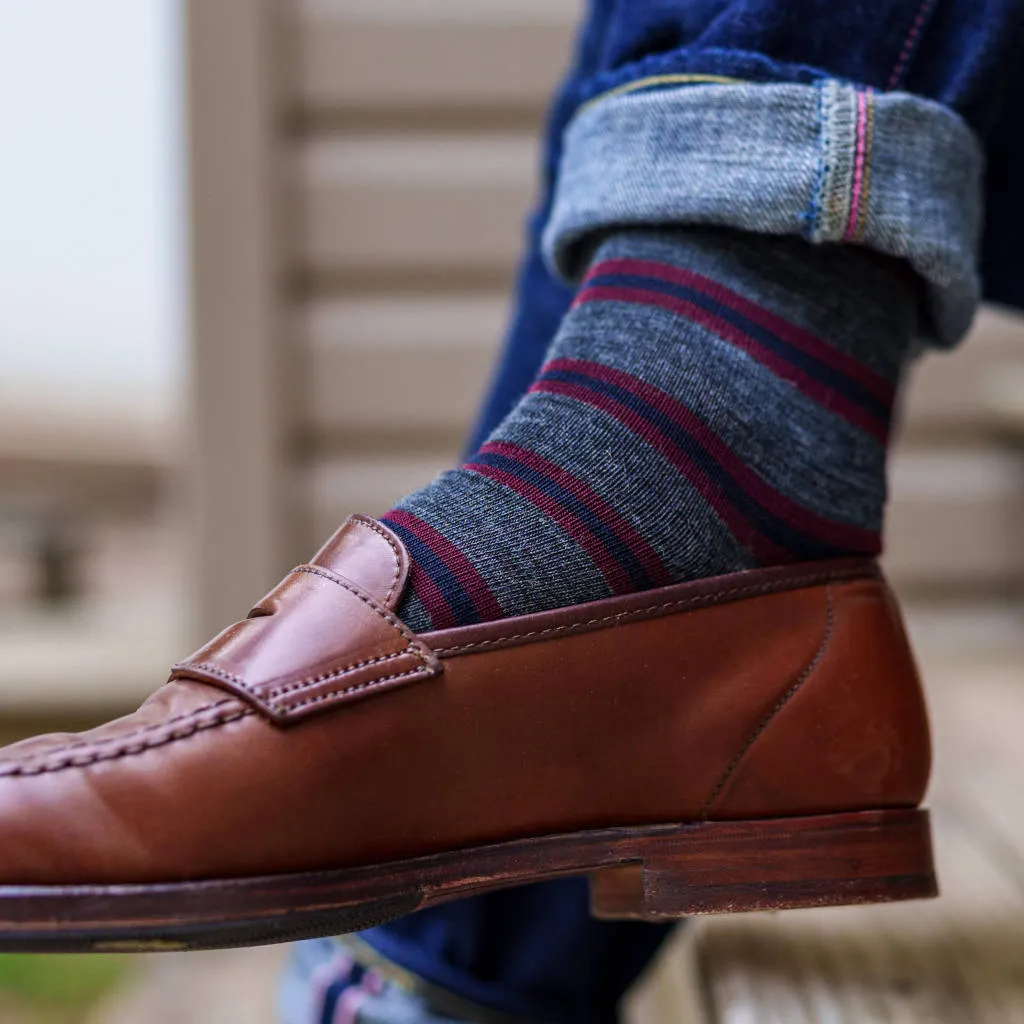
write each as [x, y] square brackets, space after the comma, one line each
[255, 260]
[93, 310]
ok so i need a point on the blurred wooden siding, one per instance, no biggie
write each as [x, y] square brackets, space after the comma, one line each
[370, 163]
[415, 156]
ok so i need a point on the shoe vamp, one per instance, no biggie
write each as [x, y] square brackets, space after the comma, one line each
[581, 733]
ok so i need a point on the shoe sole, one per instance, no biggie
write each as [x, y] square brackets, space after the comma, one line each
[647, 873]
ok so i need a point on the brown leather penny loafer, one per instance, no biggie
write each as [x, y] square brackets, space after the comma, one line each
[753, 741]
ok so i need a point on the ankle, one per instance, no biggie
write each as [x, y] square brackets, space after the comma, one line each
[712, 402]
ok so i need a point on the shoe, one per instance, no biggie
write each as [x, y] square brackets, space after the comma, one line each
[754, 741]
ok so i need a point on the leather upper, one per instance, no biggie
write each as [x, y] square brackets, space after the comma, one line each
[318, 638]
[321, 733]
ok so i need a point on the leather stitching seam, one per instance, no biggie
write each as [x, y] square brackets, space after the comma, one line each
[315, 570]
[142, 730]
[575, 627]
[13, 769]
[327, 676]
[312, 680]
[359, 687]
[413, 647]
[733, 766]
[369, 524]
[205, 666]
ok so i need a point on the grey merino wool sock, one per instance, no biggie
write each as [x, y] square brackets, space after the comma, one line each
[713, 401]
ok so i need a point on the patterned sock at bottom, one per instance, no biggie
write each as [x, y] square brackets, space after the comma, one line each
[713, 401]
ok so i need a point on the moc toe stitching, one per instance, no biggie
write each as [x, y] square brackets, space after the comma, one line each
[152, 727]
[116, 747]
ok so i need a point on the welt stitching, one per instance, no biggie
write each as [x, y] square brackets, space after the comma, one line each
[126, 751]
[368, 524]
[734, 764]
[142, 730]
[572, 627]
[334, 674]
[339, 694]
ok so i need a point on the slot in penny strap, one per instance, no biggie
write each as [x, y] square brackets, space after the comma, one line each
[315, 641]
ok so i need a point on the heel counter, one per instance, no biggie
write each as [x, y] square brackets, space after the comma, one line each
[854, 735]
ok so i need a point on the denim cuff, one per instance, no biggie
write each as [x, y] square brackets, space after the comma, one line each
[829, 161]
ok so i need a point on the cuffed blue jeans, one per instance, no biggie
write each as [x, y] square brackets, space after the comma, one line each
[883, 125]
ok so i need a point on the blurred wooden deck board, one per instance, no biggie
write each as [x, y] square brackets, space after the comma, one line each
[955, 960]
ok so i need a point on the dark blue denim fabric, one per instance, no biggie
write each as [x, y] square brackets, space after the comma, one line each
[536, 952]
[957, 52]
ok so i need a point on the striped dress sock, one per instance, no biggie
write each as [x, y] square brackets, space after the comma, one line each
[713, 401]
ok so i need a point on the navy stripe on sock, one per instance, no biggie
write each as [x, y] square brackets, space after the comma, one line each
[779, 531]
[636, 577]
[827, 375]
[425, 559]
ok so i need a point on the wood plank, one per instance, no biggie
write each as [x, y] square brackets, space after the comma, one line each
[231, 986]
[364, 482]
[950, 392]
[435, 202]
[670, 990]
[106, 650]
[234, 413]
[370, 54]
[978, 711]
[955, 517]
[401, 362]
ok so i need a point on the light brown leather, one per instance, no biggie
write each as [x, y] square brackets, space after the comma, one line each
[755, 695]
[319, 638]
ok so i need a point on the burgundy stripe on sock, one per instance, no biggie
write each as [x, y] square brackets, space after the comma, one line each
[475, 586]
[431, 597]
[796, 336]
[652, 564]
[827, 530]
[613, 573]
[766, 551]
[815, 389]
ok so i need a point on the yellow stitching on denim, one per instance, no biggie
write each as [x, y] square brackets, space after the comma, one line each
[678, 79]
